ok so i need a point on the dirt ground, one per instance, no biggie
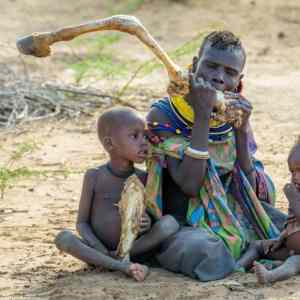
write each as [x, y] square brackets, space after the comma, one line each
[34, 210]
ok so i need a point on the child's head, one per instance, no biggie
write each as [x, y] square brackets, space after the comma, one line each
[294, 163]
[122, 133]
[221, 60]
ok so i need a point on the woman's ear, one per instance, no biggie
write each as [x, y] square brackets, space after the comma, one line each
[107, 143]
[195, 64]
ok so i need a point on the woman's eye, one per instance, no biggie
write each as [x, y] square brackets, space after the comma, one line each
[231, 72]
[212, 66]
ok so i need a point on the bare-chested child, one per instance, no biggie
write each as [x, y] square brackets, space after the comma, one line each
[122, 133]
[287, 246]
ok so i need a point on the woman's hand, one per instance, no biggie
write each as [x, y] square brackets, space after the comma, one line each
[202, 96]
[240, 103]
[145, 223]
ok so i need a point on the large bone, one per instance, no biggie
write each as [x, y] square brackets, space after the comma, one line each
[38, 44]
[131, 207]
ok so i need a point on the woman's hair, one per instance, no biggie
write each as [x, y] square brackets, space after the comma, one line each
[223, 40]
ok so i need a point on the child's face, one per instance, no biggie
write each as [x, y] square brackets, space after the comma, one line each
[294, 166]
[222, 68]
[129, 142]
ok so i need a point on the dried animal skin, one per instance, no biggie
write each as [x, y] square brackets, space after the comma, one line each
[38, 44]
[131, 207]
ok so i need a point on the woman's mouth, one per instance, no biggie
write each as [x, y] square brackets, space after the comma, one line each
[143, 153]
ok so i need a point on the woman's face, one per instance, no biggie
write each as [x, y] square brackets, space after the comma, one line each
[222, 68]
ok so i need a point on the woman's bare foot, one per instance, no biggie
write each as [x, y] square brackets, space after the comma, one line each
[288, 269]
[254, 251]
[262, 274]
[138, 272]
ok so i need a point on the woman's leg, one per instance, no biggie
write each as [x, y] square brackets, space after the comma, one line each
[196, 253]
[254, 251]
[159, 232]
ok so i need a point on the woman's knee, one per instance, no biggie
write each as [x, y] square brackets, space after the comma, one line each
[168, 226]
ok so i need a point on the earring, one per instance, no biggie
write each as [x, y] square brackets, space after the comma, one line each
[239, 88]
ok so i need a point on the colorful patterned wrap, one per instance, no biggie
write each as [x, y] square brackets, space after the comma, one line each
[226, 204]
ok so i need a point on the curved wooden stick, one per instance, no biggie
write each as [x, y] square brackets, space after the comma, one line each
[38, 44]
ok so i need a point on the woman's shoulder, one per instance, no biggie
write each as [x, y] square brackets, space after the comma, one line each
[157, 115]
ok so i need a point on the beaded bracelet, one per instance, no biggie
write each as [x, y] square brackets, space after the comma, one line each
[197, 154]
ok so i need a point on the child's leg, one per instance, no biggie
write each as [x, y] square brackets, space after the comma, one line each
[68, 242]
[289, 268]
[293, 242]
[160, 231]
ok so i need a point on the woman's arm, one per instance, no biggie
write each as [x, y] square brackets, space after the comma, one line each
[242, 140]
[189, 173]
[83, 220]
[244, 156]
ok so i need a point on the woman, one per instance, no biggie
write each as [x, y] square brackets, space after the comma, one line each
[206, 173]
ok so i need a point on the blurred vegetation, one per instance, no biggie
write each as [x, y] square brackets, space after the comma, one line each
[100, 56]
[101, 59]
[10, 174]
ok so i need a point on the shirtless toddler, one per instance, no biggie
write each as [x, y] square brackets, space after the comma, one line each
[122, 134]
[287, 246]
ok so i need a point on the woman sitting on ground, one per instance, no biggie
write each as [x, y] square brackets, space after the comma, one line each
[206, 175]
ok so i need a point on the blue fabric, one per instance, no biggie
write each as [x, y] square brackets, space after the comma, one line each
[216, 134]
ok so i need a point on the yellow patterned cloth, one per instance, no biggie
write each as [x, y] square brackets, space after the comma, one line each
[185, 112]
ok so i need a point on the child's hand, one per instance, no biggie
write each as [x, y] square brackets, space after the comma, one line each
[292, 193]
[145, 223]
[271, 245]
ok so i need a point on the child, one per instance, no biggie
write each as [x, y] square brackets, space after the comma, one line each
[122, 134]
[287, 247]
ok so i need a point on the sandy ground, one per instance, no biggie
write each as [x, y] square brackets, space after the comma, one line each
[34, 210]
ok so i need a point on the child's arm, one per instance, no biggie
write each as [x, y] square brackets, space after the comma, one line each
[270, 246]
[83, 220]
[293, 196]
